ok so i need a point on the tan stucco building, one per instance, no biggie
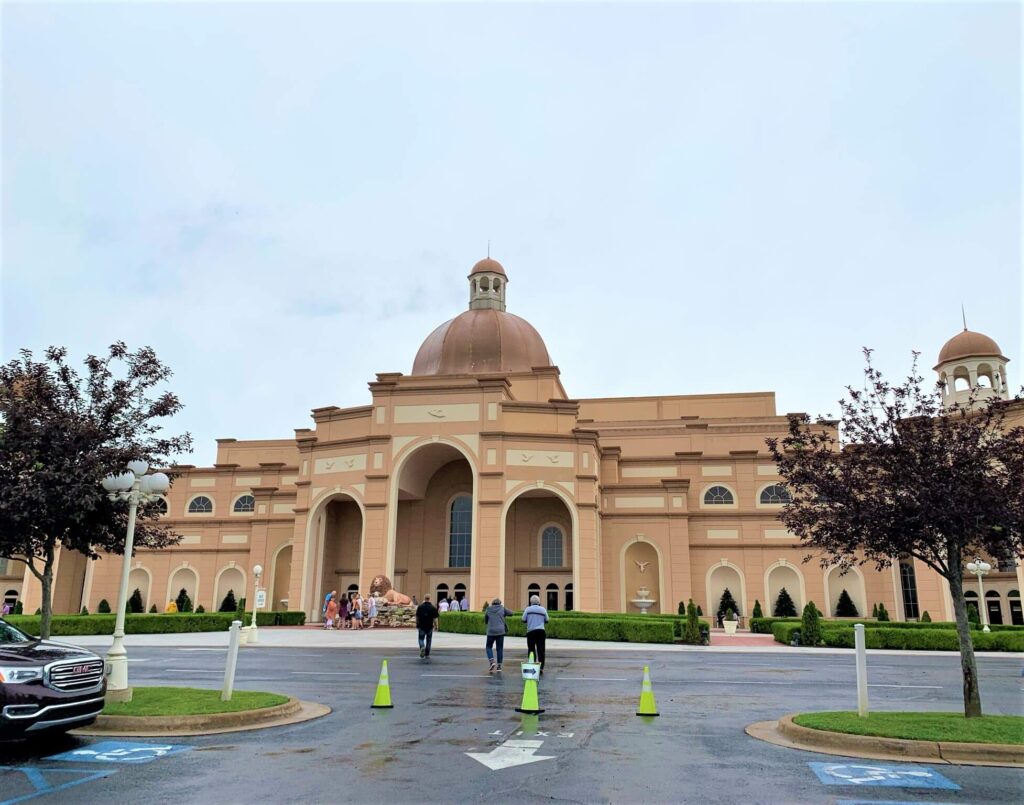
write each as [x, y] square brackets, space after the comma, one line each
[478, 475]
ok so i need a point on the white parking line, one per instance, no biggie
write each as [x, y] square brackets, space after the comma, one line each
[923, 687]
[461, 676]
[329, 673]
[593, 678]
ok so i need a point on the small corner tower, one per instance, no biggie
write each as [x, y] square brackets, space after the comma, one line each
[487, 283]
[971, 362]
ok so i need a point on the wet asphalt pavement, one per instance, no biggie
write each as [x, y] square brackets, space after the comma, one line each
[596, 748]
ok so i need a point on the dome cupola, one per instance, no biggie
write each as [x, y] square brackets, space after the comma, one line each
[969, 364]
[484, 339]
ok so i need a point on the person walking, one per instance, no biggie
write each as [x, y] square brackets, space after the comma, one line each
[343, 612]
[497, 628]
[426, 620]
[535, 616]
[442, 605]
[464, 603]
[327, 599]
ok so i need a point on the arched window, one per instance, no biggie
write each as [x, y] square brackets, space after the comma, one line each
[568, 598]
[246, 504]
[995, 609]
[460, 592]
[160, 505]
[11, 597]
[718, 496]
[908, 582]
[551, 542]
[460, 531]
[1016, 612]
[442, 592]
[531, 591]
[200, 505]
[775, 495]
[352, 588]
[552, 596]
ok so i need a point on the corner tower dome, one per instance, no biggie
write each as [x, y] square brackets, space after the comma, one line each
[971, 366]
[484, 339]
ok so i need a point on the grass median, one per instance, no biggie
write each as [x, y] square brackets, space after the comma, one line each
[920, 726]
[190, 702]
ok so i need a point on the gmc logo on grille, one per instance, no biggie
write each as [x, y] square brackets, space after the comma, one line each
[81, 669]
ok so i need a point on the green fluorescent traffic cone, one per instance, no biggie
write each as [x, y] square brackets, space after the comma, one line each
[531, 704]
[383, 697]
[647, 705]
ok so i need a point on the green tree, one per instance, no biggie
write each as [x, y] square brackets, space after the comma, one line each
[757, 613]
[229, 604]
[874, 612]
[104, 607]
[784, 606]
[200, 609]
[63, 433]
[925, 617]
[183, 602]
[727, 602]
[810, 626]
[681, 609]
[84, 611]
[972, 614]
[691, 632]
[135, 604]
[845, 608]
[903, 475]
[152, 609]
[883, 613]
[700, 612]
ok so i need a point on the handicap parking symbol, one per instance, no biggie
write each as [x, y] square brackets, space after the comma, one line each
[871, 774]
[121, 752]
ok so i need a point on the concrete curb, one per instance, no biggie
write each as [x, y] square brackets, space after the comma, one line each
[786, 733]
[294, 711]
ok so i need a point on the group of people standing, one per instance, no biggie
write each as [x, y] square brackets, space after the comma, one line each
[446, 604]
[495, 618]
[351, 611]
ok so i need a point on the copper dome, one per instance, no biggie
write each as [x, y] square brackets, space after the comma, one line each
[969, 344]
[487, 265]
[481, 342]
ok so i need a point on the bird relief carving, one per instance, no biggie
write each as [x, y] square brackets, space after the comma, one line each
[553, 458]
[527, 457]
[350, 462]
[329, 464]
[641, 565]
[437, 413]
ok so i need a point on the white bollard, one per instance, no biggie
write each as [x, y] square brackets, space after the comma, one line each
[229, 668]
[862, 670]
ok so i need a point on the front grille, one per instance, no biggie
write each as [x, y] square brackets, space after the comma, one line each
[81, 675]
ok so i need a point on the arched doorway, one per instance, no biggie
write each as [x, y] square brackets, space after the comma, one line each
[721, 577]
[282, 578]
[340, 548]
[781, 576]
[138, 579]
[538, 548]
[184, 578]
[434, 517]
[230, 578]
[641, 570]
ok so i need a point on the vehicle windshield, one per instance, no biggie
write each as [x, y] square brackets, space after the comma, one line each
[8, 634]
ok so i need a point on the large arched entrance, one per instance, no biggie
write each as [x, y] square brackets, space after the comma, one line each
[339, 549]
[538, 550]
[434, 522]
[281, 579]
[783, 576]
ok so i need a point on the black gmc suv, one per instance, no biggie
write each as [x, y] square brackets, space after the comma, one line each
[46, 686]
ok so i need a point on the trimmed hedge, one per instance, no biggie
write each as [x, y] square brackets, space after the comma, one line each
[76, 625]
[764, 625]
[907, 639]
[628, 630]
[678, 623]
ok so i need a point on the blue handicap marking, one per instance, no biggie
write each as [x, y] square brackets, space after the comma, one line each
[38, 781]
[873, 774]
[121, 752]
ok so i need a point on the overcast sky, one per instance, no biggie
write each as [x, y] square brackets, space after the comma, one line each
[285, 199]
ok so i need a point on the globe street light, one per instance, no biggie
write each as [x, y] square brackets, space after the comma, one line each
[979, 569]
[257, 571]
[135, 487]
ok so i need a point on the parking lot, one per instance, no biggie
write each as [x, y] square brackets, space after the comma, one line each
[454, 736]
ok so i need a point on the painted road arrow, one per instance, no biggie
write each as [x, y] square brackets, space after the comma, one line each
[511, 753]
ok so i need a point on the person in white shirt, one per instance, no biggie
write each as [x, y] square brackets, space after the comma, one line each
[443, 605]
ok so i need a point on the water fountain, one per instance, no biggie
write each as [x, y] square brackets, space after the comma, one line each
[643, 601]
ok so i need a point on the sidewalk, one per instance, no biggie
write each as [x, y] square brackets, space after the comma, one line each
[387, 639]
